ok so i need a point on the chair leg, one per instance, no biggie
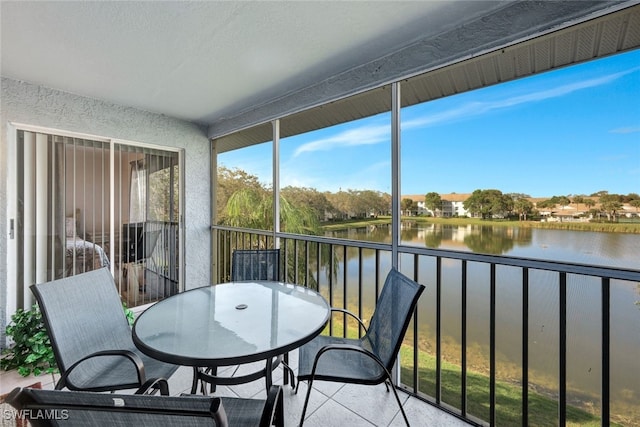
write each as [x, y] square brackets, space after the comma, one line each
[287, 372]
[292, 376]
[214, 372]
[306, 400]
[279, 416]
[194, 382]
[395, 393]
[268, 374]
[197, 380]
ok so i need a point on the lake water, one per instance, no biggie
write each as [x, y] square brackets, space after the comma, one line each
[583, 302]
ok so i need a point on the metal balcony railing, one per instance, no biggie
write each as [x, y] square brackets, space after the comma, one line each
[349, 274]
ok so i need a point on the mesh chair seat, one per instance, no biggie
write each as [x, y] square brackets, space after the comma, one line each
[83, 316]
[76, 408]
[112, 373]
[339, 366]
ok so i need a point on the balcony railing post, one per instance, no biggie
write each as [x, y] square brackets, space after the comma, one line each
[525, 347]
[492, 347]
[306, 263]
[463, 341]
[416, 274]
[295, 262]
[344, 290]
[606, 337]
[562, 348]
[331, 273]
[438, 329]
[360, 278]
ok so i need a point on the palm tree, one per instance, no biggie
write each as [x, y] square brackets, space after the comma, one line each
[590, 203]
[577, 200]
[253, 208]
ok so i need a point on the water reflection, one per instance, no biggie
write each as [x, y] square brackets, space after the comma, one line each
[474, 238]
[583, 247]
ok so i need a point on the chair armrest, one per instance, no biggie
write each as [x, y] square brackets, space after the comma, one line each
[342, 310]
[130, 355]
[273, 413]
[218, 413]
[153, 384]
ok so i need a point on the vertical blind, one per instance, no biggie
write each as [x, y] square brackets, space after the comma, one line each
[66, 221]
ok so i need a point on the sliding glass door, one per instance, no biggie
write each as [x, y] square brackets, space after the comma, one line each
[78, 204]
[146, 218]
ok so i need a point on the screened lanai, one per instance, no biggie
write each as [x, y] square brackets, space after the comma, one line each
[205, 80]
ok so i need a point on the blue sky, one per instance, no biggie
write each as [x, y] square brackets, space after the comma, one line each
[571, 131]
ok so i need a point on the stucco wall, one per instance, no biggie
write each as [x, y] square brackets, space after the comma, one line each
[39, 106]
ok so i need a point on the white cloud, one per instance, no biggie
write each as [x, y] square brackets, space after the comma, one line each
[364, 135]
[375, 134]
[626, 130]
[478, 108]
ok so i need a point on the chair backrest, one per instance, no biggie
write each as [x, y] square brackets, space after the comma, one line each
[392, 315]
[83, 314]
[258, 264]
[79, 408]
[49, 408]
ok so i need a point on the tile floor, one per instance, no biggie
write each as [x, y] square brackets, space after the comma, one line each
[330, 404]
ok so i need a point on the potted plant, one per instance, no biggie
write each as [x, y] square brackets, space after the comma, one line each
[31, 351]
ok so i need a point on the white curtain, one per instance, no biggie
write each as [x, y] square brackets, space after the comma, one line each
[39, 218]
[138, 192]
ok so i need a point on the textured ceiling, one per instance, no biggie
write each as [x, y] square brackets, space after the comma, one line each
[200, 61]
[231, 64]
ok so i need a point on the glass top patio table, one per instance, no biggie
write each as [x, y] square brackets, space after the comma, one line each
[231, 323]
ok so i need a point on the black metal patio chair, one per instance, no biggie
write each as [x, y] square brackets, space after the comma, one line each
[47, 408]
[255, 264]
[370, 359]
[91, 337]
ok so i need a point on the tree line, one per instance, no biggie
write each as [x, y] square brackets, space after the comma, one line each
[245, 202]
[493, 203]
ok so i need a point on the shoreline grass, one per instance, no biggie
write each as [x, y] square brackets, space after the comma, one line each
[543, 407]
[543, 410]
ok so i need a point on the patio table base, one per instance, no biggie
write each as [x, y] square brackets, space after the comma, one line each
[200, 374]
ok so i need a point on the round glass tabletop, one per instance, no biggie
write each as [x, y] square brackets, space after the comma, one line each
[231, 323]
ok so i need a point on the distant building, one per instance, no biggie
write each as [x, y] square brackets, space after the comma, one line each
[452, 205]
